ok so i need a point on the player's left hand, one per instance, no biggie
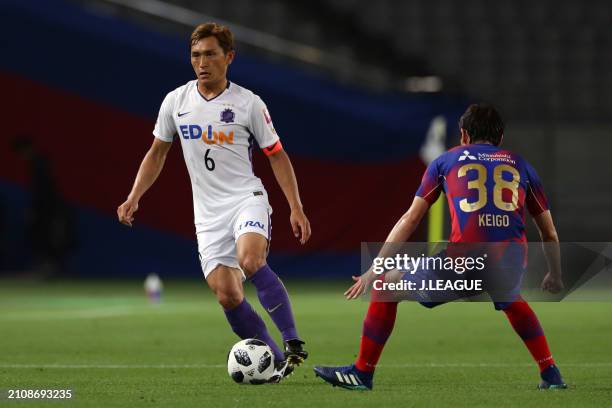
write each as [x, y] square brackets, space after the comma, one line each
[552, 283]
[300, 225]
[360, 286]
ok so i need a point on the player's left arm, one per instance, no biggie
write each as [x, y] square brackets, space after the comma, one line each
[427, 194]
[401, 232]
[262, 128]
[406, 225]
[285, 176]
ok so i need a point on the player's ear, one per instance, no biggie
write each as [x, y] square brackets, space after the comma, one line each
[229, 57]
[465, 137]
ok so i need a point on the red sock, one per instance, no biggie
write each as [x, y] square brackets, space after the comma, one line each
[526, 324]
[377, 328]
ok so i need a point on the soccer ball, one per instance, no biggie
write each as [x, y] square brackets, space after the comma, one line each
[250, 361]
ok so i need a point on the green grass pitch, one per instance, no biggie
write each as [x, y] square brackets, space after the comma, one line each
[105, 342]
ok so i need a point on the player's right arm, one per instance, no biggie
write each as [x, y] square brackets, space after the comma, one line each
[537, 205]
[148, 172]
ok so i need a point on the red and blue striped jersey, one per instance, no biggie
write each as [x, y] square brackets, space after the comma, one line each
[488, 189]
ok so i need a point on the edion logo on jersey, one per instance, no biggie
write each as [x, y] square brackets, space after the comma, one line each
[208, 135]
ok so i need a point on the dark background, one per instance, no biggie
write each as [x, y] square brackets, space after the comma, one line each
[352, 86]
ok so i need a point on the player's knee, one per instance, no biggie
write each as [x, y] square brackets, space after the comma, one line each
[251, 263]
[229, 298]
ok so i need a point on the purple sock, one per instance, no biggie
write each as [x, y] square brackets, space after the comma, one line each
[273, 297]
[247, 324]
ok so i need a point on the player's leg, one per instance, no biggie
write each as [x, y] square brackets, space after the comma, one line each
[504, 287]
[252, 229]
[377, 328]
[527, 326]
[272, 294]
[217, 251]
[226, 284]
[380, 319]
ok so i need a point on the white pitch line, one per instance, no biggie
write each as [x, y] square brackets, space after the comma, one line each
[179, 366]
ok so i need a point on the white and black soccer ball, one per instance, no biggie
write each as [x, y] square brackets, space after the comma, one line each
[250, 361]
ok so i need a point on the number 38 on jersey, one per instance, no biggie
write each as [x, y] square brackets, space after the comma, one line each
[479, 184]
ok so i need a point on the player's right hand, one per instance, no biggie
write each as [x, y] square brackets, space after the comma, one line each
[125, 212]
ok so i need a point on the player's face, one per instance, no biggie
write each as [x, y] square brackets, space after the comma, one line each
[209, 61]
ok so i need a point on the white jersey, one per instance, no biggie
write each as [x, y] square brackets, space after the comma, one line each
[217, 137]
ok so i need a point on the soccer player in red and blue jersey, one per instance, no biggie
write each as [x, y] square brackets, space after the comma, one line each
[488, 190]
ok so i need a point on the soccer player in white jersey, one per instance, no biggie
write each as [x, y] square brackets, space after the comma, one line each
[217, 123]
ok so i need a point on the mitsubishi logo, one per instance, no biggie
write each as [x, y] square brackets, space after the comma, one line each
[466, 155]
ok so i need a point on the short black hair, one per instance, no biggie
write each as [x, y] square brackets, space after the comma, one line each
[483, 123]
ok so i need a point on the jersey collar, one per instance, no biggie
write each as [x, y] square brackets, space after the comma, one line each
[214, 97]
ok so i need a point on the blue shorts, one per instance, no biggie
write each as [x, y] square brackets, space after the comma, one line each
[501, 282]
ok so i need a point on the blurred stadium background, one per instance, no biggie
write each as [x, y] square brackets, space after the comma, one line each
[353, 87]
[362, 94]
